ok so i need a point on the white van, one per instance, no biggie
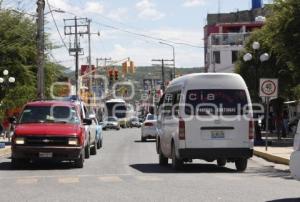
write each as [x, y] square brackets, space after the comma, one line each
[206, 116]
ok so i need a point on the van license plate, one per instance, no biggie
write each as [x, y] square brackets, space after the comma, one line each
[45, 154]
[217, 134]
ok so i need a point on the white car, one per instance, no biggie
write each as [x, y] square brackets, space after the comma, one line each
[295, 157]
[149, 129]
[202, 116]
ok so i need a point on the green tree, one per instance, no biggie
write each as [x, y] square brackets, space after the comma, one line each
[280, 37]
[18, 56]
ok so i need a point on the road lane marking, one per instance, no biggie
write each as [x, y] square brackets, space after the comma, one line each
[68, 180]
[149, 178]
[26, 181]
[110, 179]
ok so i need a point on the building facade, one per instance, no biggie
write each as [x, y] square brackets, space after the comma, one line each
[225, 35]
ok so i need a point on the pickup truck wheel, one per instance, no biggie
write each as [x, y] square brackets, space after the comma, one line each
[99, 144]
[221, 162]
[163, 161]
[18, 163]
[94, 148]
[176, 162]
[241, 164]
[79, 162]
[87, 151]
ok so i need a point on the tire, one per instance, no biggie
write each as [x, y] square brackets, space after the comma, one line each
[79, 162]
[241, 164]
[99, 144]
[143, 139]
[94, 148]
[221, 162]
[87, 151]
[19, 163]
[163, 161]
[118, 128]
[176, 163]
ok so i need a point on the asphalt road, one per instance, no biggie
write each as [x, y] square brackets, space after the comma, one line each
[126, 169]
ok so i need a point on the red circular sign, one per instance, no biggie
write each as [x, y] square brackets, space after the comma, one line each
[268, 87]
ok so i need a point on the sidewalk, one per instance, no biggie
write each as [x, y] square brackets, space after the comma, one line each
[6, 150]
[279, 151]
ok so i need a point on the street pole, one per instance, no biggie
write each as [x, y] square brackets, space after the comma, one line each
[163, 74]
[76, 57]
[174, 63]
[162, 61]
[267, 122]
[40, 49]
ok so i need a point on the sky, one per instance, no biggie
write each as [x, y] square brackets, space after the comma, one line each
[123, 25]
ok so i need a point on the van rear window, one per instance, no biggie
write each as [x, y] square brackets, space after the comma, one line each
[215, 101]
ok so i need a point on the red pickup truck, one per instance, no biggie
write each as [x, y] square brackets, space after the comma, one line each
[52, 130]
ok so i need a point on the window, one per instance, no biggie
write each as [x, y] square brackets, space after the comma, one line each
[216, 57]
[234, 56]
[219, 101]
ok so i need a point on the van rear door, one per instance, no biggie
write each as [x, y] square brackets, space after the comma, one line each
[216, 118]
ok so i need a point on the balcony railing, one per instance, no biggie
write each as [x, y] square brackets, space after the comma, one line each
[225, 39]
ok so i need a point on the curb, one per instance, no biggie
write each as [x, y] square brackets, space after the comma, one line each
[5, 151]
[272, 158]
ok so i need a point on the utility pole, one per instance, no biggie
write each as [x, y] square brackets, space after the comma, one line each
[40, 49]
[162, 61]
[105, 62]
[77, 26]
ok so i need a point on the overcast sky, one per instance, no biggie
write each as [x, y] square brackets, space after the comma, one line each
[178, 21]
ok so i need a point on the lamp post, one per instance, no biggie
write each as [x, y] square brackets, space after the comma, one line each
[5, 82]
[173, 48]
[262, 58]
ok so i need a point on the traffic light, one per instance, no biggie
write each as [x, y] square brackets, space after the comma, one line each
[132, 68]
[124, 68]
[116, 74]
[110, 75]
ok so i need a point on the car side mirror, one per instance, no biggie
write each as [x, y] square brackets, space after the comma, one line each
[12, 120]
[87, 122]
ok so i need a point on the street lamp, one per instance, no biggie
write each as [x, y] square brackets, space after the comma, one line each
[8, 81]
[173, 48]
[263, 58]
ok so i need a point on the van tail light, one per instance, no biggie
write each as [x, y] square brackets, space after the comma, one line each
[251, 130]
[149, 124]
[181, 129]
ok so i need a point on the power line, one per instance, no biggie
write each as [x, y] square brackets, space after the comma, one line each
[141, 34]
[61, 38]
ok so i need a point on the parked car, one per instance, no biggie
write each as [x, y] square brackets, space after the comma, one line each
[295, 156]
[91, 140]
[111, 122]
[97, 128]
[49, 130]
[149, 129]
[204, 116]
[134, 122]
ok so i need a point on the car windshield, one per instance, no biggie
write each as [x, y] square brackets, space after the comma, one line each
[49, 114]
[135, 119]
[151, 117]
[112, 119]
[216, 101]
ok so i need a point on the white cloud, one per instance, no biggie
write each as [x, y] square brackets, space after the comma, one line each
[147, 10]
[88, 8]
[119, 48]
[192, 3]
[120, 14]
[94, 7]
